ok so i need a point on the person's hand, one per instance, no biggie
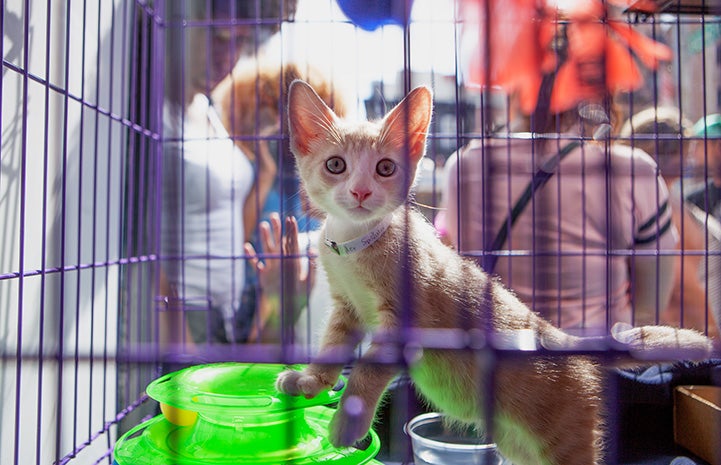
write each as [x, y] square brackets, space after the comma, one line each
[271, 273]
[280, 271]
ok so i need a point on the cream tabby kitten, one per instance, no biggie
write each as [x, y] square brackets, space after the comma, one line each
[388, 270]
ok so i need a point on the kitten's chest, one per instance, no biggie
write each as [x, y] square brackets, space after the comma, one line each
[350, 281]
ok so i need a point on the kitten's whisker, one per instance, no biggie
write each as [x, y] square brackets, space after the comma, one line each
[430, 207]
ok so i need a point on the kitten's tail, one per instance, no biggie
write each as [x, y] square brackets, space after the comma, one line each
[643, 343]
[662, 342]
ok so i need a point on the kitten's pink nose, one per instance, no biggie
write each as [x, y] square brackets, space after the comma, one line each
[360, 194]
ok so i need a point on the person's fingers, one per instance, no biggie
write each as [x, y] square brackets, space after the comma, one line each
[275, 227]
[290, 244]
[266, 239]
[253, 256]
[292, 249]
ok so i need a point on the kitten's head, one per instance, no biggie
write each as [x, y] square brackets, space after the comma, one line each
[357, 171]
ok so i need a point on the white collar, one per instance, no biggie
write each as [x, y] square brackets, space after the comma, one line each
[359, 243]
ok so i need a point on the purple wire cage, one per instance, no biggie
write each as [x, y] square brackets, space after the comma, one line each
[83, 175]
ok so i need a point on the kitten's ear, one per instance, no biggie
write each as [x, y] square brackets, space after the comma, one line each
[408, 123]
[310, 119]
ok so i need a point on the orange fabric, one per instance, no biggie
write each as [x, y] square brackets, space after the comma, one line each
[516, 52]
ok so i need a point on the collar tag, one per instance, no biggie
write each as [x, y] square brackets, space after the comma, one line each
[333, 246]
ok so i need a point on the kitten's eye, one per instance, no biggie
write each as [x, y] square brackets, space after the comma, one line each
[335, 165]
[386, 167]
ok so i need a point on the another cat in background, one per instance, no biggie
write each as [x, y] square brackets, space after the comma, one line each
[388, 269]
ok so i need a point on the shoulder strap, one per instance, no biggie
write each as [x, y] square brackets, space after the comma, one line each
[541, 177]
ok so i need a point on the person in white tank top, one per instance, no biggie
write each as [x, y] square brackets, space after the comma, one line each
[206, 178]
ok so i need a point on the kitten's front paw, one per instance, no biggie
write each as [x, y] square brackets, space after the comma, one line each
[350, 422]
[297, 383]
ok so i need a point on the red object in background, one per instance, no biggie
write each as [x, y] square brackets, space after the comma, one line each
[517, 49]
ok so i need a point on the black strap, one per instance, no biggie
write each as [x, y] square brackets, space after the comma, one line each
[541, 114]
[541, 177]
[539, 119]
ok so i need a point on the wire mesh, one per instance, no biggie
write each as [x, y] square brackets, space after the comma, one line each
[116, 116]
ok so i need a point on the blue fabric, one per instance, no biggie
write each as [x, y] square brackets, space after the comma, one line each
[655, 384]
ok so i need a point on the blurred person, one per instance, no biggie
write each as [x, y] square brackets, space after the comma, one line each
[704, 203]
[582, 219]
[571, 249]
[251, 102]
[206, 178]
[707, 155]
[664, 133]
